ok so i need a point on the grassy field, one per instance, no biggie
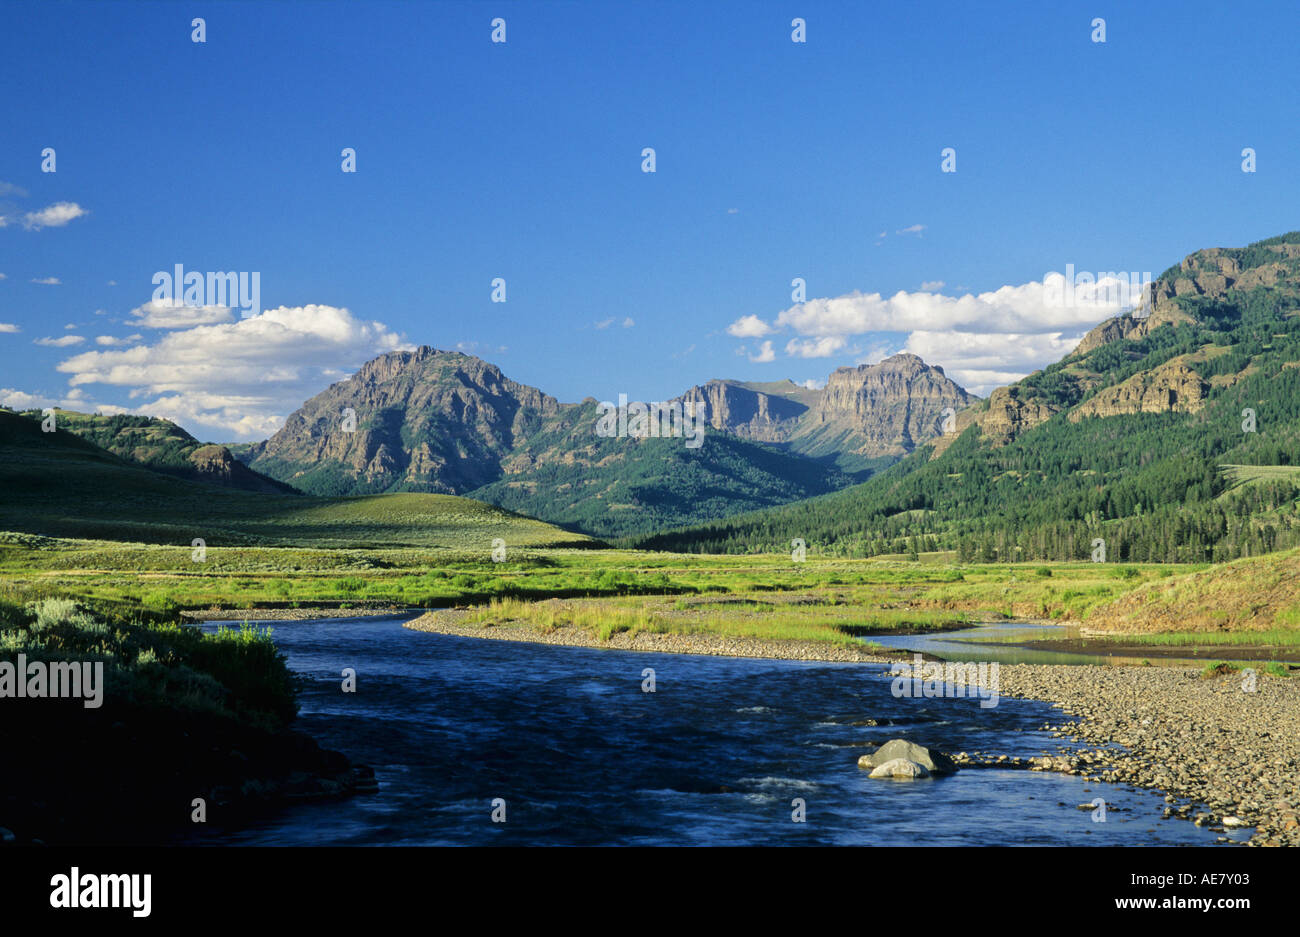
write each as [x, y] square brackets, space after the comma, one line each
[819, 592]
[823, 616]
[1239, 475]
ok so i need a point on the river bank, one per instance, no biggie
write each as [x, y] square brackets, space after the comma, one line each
[1221, 748]
[290, 614]
[455, 622]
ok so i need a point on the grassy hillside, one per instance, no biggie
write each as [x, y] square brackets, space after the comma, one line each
[1249, 598]
[163, 446]
[59, 485]
[1140, 443]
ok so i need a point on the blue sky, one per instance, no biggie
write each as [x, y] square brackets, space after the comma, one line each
[522, 160]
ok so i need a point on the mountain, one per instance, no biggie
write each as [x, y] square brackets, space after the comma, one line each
[1170, 433]
[431, 420]
[163, 446]
[61, 485]
[863, 419]
[619, 487]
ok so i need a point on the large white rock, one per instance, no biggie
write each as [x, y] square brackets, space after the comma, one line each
[933, 762]
[900, 768]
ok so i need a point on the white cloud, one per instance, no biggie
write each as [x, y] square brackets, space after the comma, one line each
[173, 314]
[764, 354]
[981, 340]
[3, 276]
[749, 327]
[63, 341]
[932, 286]
[243, 377]
[604, 323]
[469, 348]
[21, 400]
[981, 362]
[628, 322]
[9, 327]
[53, 216]
[8, 188]
[917, 229]
[822, 347]
[48, 281]
[110, 341]
[1024, 308]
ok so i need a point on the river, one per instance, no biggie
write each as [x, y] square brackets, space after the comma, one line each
[717, 755]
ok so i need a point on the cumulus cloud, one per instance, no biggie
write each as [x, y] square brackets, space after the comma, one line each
[628, 322]
[63, 341]
[16, 399]
[765, 354]
[110, 341]
[173, 314]
[932, 286]
[53, 216]
[749, 327]
[822, 347]
[9, 327]
[981, 362]
[47, 281]
[242, 377]
[982, 340]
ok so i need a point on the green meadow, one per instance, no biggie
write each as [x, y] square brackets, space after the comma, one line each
[832, 596]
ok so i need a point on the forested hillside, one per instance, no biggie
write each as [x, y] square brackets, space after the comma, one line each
[1169, 434]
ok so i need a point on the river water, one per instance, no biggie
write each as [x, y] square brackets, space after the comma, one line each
[717, 755]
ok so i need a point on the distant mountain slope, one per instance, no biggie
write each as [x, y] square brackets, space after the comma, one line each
[618, 487]
[163, 446]
[863, 419]
[60, 485]
[433, 420]
[425, 420]
[1129, 440]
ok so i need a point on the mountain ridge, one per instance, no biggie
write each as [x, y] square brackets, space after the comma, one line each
[434, 420]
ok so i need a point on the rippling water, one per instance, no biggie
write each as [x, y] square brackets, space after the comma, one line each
[581, 755]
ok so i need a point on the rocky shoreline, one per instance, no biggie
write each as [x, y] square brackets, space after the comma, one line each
[1225, 756]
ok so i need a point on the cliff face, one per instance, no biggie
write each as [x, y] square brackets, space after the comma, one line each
[1173, 387]
[1009, 415]
[885, 409]
[751, 414]
[869, 412]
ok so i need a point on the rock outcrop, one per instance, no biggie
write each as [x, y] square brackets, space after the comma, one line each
[1173, 387]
